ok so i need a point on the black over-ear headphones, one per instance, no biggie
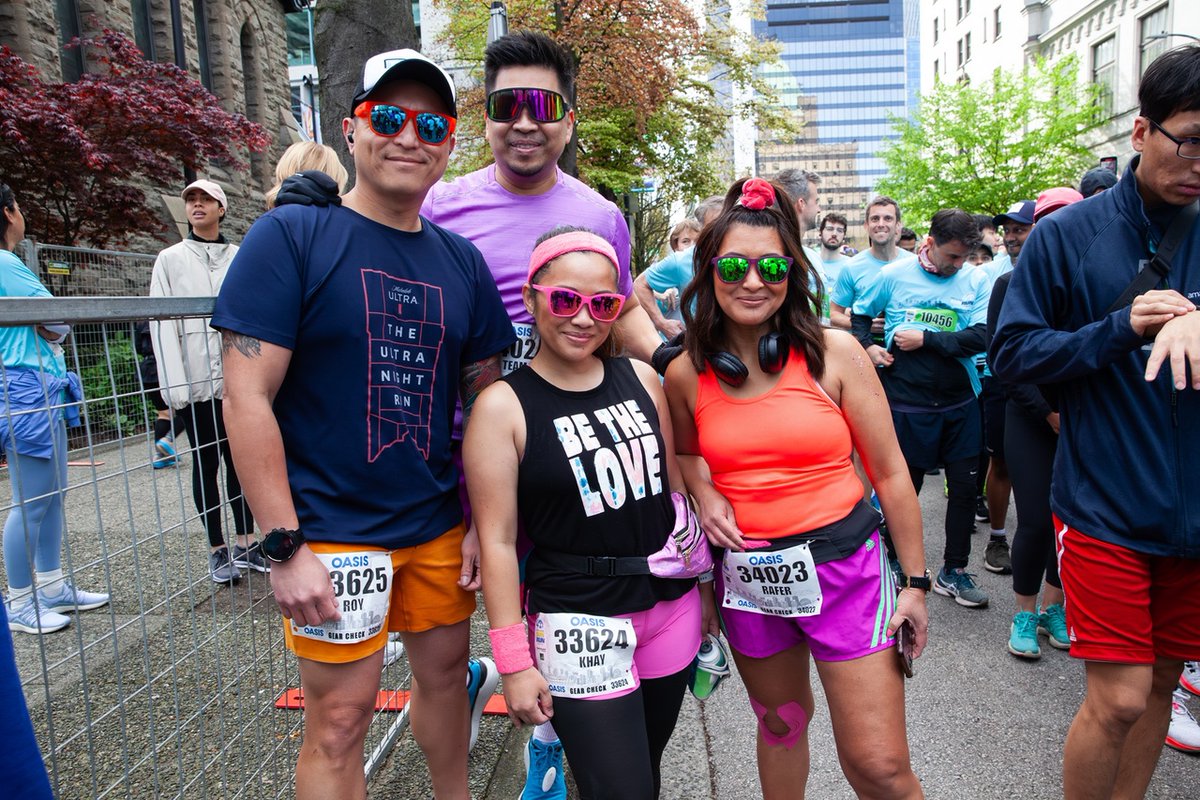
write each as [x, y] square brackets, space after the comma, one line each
[772, 358]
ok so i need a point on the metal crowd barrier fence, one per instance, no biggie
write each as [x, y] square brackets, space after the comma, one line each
[179, 687]
[87, 272]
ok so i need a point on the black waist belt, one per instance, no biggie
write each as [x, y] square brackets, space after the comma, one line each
[829, 543]
[605, 566]
[836, 540]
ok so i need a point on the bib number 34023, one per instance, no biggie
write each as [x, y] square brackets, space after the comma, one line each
[362, 588]
[779, 583]
[581, 655]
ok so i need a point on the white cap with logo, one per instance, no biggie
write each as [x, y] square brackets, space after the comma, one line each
[406, 64]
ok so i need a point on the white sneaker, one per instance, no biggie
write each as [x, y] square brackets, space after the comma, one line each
[1190, 679]
[1184, 733]
[27, 618]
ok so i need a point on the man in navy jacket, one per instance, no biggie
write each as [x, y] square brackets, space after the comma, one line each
[1126, 488]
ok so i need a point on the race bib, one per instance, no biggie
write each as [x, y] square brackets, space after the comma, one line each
[942, 319]
[778, 583]
[584, 656]
[362, 588]
[523, 349]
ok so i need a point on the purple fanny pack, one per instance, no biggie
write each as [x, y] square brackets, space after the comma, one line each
[686, 553]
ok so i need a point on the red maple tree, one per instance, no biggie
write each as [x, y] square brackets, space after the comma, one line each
[80, 156]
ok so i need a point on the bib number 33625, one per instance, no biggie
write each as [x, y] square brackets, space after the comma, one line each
[362, 588]
[780, 583]
[581, 655]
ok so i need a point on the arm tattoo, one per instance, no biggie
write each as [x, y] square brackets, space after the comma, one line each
[246, 345]
[474, 379]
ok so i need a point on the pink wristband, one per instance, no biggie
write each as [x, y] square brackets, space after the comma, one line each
[510, 648]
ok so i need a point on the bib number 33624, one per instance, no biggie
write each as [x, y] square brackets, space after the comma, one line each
[581, 655]
[362, 588]
[780, 583]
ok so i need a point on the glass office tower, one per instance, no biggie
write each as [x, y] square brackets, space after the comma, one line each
[846, 67]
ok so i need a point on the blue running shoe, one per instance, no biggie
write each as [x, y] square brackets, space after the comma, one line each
[1022, 636]
[482, 677]
[64, 598]
[165, 447]
[1052, 623]
[543, 771]
[960, 584]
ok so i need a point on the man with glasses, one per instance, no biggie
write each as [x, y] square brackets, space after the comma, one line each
[503, 208]
[349, 332]
[935, 322]
[1127, 378]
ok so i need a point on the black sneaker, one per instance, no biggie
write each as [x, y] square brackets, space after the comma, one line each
[997, 558]
[250, 558]
[981, 509]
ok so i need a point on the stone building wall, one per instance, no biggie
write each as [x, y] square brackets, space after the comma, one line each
[248, 66]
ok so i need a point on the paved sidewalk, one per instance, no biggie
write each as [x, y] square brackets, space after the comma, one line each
[983, 724]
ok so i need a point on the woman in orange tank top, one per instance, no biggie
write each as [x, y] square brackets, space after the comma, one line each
[767, 408]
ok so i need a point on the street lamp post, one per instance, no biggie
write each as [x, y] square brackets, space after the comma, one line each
[1165, 35]
[497, 21]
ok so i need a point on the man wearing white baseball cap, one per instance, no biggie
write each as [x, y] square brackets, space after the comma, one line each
[350, 330]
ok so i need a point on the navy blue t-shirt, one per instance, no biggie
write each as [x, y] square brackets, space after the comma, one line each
[379, 322]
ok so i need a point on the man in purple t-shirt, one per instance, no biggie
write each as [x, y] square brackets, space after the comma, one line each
[503, 208]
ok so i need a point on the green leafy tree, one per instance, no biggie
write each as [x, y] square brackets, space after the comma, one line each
[981, 147]
[653, 89]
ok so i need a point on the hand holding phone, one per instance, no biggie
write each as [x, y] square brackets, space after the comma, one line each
[905, 635]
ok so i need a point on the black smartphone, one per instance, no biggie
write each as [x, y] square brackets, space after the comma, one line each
[904, 647]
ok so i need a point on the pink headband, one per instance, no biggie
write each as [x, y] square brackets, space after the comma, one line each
[572, 242]
[757, 194]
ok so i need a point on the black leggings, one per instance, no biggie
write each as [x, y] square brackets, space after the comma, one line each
[206, 431]
[1029, 446]
[615, 746]
[960, 508]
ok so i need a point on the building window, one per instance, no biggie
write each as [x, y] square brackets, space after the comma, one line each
[200, 13]
[143, 27]
[967, 39]
[66, 14]
[936, 65]
[299, 38]
[967, 3]
[960, 10]
[935, 30]
[1150, 25]
[1104, 74]
[996, 23]
[961, 60]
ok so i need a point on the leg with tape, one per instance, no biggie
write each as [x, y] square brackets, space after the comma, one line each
[790, 717]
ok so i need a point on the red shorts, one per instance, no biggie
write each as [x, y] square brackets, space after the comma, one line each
[1125, 606]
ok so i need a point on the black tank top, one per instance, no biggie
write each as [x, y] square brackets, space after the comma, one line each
[593, 482]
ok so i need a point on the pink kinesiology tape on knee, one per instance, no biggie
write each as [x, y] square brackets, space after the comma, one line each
[790, 713]
[510, 648]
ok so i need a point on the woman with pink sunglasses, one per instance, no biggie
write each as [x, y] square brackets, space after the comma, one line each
[575, 451]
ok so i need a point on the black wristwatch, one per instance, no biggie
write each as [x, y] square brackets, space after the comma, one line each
[924, 582]
[281, 544]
